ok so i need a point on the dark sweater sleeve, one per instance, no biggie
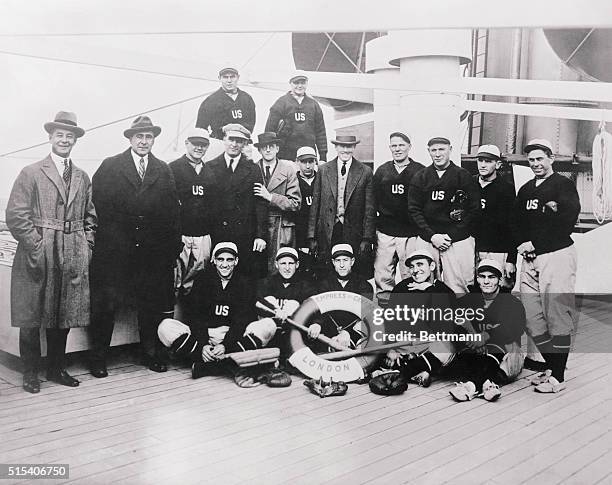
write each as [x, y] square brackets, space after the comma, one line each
[251, 113]
[472, 213]
[320, 133]
[276, 114]
[416, 202]
[512, 315]
[518, 219]
[204, 116]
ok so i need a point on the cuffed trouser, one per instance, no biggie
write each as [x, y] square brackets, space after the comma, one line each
[547, 291]
[29, 348]
[178, 337]
[455, 266]
[391, 254]
[193, 259]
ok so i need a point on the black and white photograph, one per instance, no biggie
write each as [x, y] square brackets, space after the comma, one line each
[343, 242]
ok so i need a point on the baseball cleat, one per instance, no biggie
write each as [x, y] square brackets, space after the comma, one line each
[552, 385]
[463, 391]
[422, 379]
[541, 378]
[490, 391]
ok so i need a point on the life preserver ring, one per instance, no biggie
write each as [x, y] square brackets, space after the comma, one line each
[313, 366]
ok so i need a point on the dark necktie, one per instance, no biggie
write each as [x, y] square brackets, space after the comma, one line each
[141, 168]
[267, 175]
[67, 170]
[343, 169]
[232, 165]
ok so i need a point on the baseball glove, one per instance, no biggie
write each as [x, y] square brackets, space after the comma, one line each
[325, 389]
[275, 378]
[458, 202]
[388, 384]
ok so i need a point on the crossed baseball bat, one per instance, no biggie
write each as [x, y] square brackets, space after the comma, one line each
[341, 351]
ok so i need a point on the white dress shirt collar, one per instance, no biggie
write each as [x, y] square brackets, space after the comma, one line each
[137, 158]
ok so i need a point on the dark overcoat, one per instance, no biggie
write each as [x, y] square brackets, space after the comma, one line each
[50, 274]
[237, 214]
[138, 237]
[359, 211]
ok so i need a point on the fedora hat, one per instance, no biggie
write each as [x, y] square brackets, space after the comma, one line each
[140, 124]
[65, 120]
[345, 140]
[267, 138]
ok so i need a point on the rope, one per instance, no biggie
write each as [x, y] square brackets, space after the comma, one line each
[602, 175]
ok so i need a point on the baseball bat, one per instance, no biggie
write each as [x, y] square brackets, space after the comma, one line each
[326, 340]
[356, 352]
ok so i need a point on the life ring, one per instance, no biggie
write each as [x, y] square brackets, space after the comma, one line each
[313, 366]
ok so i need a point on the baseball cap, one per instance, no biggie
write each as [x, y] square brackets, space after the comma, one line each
[298, 75]
[419, 254]
[197, 134]
[538, 143]
[342, 250]
[489, 151]
[287, 251]
[490, 265]
[305, 152]
[438, 139]
[225, 247]
[237, 131]
[228, 70]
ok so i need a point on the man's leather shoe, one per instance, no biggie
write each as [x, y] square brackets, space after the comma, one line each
[31, 383]
[157, 366]
[98, 369]
[62, 377]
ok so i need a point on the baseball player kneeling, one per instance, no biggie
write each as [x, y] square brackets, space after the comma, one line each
[220, 317]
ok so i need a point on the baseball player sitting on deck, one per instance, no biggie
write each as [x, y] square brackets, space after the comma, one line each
[420, 290]
[222, 305]
[284, 291]
[343, 327]
[492, 356]
[495, 358]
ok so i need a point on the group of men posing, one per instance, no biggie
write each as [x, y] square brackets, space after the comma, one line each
[211, 239]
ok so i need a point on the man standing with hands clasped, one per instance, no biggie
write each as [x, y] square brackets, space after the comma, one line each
[444, 202]
[51, 215]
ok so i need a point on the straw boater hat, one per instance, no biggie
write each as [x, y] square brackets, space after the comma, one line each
[65, 120]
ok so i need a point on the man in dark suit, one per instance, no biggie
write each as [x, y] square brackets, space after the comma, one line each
[342, 204]
[136, 198]
[237, 214]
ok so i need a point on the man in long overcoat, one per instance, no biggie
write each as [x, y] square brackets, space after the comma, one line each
[139, 240]
[281, 190]
[237, 214]
[342, 205]
[51, 215]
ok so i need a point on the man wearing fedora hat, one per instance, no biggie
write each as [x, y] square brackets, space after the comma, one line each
[50, 213]
[342, 204]
[226, 105]
[137, 202]
[281, 190]
[298, 120]
[238, 214]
